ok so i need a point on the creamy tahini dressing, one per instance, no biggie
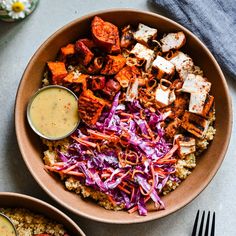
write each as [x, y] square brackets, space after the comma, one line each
[54, 112]
[6, 228]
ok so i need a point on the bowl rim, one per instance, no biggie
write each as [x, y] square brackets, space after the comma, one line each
[19, 196]
[224, 148]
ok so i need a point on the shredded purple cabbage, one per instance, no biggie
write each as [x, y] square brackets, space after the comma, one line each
[120, 166]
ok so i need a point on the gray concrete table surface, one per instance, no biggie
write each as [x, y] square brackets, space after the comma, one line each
[18, 42]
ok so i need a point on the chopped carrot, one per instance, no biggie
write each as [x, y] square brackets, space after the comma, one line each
[86, 143]
[171, 152]
[135, 208]
[76, 173]
[111, 199]
[69, 169]
[123, 189]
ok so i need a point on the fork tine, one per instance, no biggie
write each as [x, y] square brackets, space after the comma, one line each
[201, 225]
[213, 225]
[194, 233]
[207, 224]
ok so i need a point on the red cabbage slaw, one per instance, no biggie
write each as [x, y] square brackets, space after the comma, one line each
[125, 156]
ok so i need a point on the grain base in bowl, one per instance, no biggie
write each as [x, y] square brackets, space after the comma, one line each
[146, 114]
[32, 217]
[28, 223]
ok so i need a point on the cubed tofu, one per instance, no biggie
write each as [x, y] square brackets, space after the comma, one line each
[164, 96]
[163, 68]
[201, 103]
[208, 106]
[179, 58]
[196, 84]
[173, 41]
[143, 53]
[144, 34]
[183, 64]
[197, 102]
[195, 124]
[186, 145]
[58, 71]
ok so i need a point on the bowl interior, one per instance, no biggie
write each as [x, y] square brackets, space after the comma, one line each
[30, 144]
[14, 200]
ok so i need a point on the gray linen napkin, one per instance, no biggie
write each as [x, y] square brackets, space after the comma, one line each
[213, 21]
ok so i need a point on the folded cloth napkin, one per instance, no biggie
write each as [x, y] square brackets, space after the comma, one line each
[213, 21]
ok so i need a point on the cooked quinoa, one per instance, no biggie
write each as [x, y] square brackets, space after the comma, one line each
[28, 223]
[158, 77]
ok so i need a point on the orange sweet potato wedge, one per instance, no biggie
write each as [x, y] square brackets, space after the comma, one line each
[90, 107]
[58, 71]
[113, 65]
[105, 35]
[127, 74]
[88, 42]
[66, 51]
[84, 52]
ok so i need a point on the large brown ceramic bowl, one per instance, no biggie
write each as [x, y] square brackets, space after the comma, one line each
[31, 147]
[16, 200]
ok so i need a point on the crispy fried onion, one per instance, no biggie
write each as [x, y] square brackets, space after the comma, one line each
[133, 61]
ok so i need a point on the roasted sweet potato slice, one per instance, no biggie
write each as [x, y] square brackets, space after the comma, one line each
[67, 51]
[127, 74]
[97, 82]
[90, 107]
[127, 37]
[113, 65]
[84, 52]
[111, 88]
[105, 35]
[76, 78]
[58, 71]
[88, 42]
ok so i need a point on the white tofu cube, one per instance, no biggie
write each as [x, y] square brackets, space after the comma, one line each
[196, 84]
[173, 41]
[179, 58]
[197, 102]
[183, 64]
[144, 34]
[163, 68]
[142, 52]
[195, 124]
[164, 96]
[186, 145]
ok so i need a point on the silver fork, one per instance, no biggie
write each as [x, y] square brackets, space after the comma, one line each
[200, 232]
